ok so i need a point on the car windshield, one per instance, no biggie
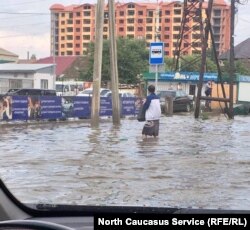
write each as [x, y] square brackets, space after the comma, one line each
[72, 149]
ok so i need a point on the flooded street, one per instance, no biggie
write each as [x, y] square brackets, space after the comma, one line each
[193, 163]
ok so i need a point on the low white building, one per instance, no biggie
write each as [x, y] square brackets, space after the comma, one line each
[37, 76]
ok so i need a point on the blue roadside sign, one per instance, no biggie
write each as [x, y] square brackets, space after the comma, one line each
[156, 55]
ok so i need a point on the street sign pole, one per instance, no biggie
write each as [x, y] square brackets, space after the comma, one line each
[156, 57]
[156, 79]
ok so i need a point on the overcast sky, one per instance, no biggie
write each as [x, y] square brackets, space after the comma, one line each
[25, 25]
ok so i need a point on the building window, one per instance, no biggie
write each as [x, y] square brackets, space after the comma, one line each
[140, 29]
[177, 20]
[86, 21]
[87, 8]
[130, 20]
[131, 6]
[130, 28]
[167, 12]
[69, 53]
[166, 36]
[149, 28]
[62, 45]
[131, 12]
[44, 84]
[177, 12]
[78, 14]
[78, 29]
[14, 83]
[166, 28]
[85, 45]
[78, 37]
[62, 22]
[166, 44]
[121, 21]
[149, 20]
[78, 22]
[86, 29]
[62, 30]
[69, 37]
[86, 13]
[150, 13]
[77, 45]
[121, 29]
[86, 37]
[121, 13]
[177, 28]
[149, 36]
[69, 45]
[167, 20]
[69, 29]
[140, 20]
[131, 36]
[140, 13]
[176, 36]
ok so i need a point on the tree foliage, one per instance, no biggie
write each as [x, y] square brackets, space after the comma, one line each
[132, 60]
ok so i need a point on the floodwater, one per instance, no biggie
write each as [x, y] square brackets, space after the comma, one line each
[194, 163]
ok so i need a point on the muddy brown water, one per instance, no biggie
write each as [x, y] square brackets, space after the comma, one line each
[193, 163]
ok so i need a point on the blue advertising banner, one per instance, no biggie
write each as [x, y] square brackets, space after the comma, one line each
[51, 107]
[105, 106]
[128, 105]
[81, 107]
[19, 108]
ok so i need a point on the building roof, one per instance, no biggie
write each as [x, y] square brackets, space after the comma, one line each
[241, 51]
[62, 62]
[7, 53]
[23, 67]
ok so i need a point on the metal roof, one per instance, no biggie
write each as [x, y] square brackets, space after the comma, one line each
[23, 67]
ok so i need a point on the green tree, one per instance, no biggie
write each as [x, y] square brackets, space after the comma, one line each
[132, 60]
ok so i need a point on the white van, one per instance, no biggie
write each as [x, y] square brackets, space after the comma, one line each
[68, 88]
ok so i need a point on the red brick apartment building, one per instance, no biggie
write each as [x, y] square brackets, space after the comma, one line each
[73, 27]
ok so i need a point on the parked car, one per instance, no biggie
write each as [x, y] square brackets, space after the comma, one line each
[31, 92]
[123, 94]
[181, 101]
[89, 92]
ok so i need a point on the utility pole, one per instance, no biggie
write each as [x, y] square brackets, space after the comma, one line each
[97, 72]
[231, 61]
[113, 65]
[204, 34]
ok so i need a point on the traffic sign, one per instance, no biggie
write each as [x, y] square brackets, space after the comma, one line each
[156, 55]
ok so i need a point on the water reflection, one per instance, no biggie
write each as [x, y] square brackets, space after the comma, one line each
[198, 163]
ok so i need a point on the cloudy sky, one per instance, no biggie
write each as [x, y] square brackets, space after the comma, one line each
[25, 25]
